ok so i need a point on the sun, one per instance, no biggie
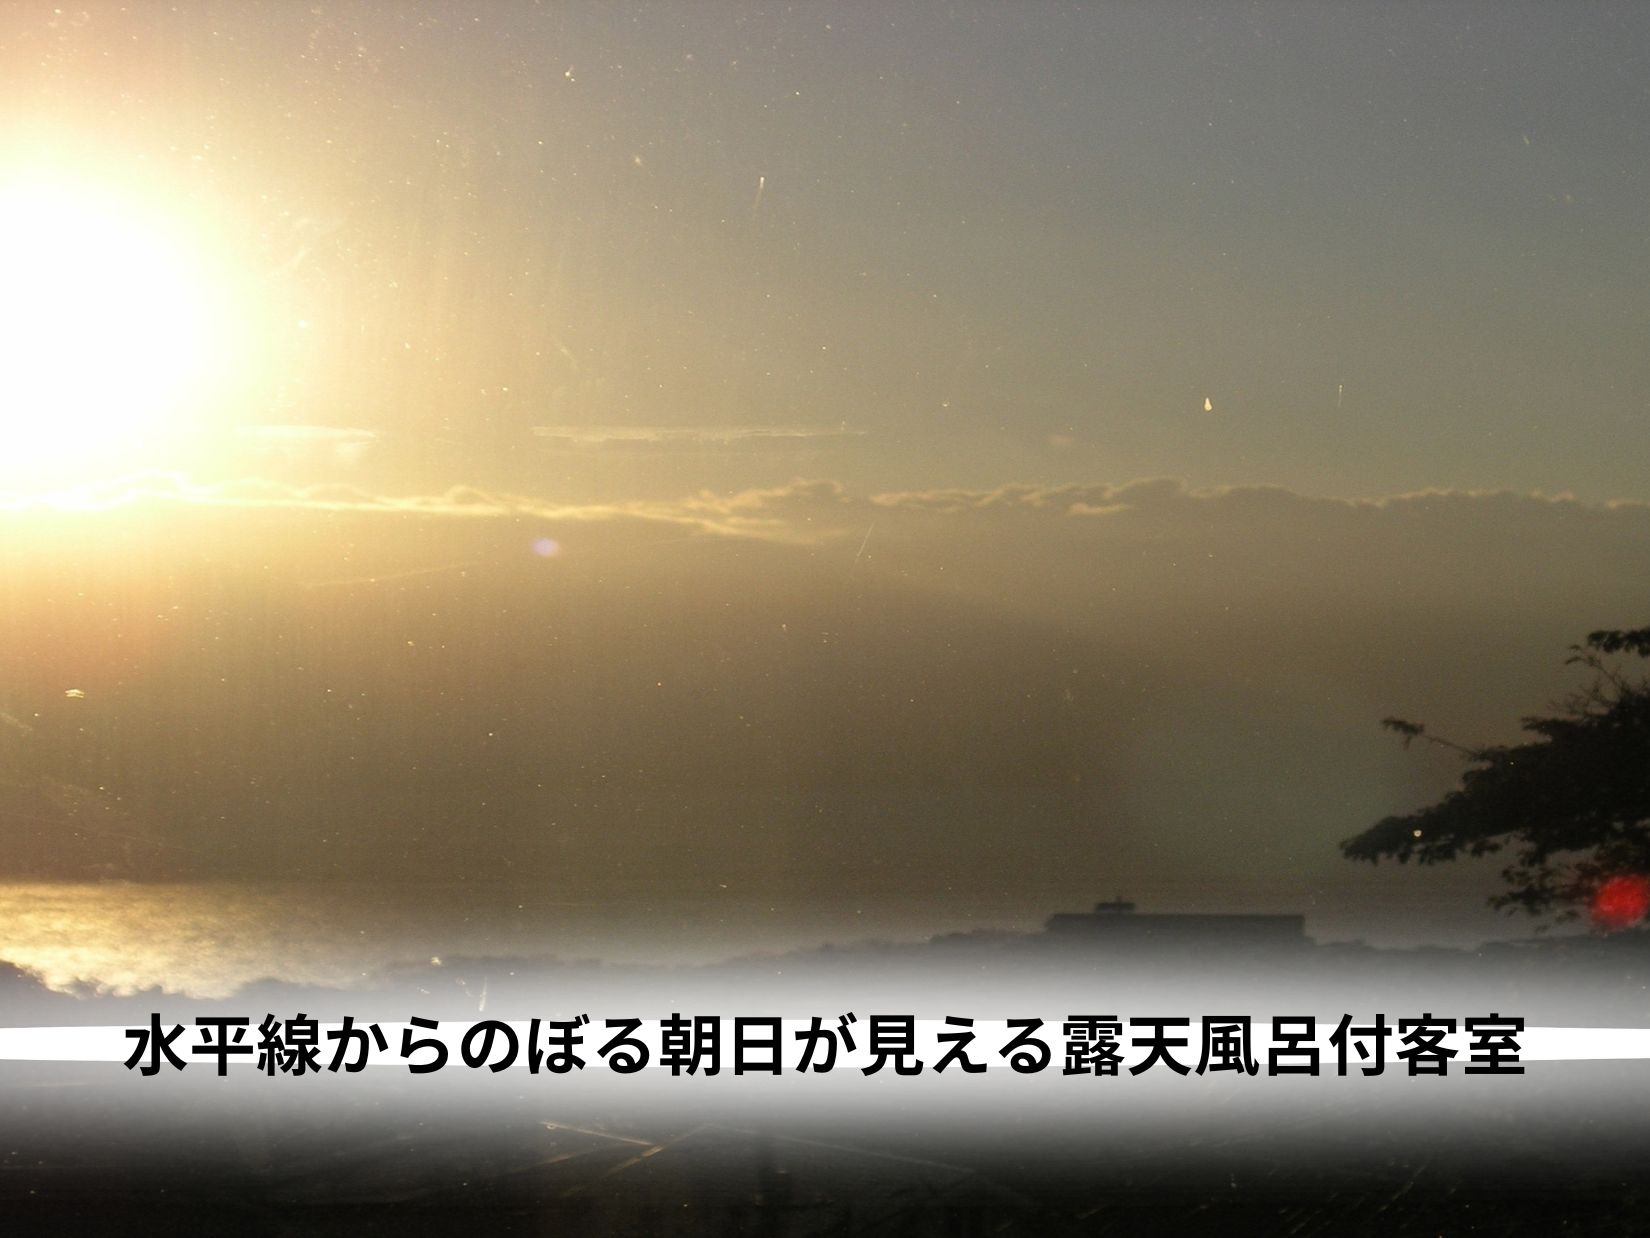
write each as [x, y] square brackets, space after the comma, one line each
[113, 329]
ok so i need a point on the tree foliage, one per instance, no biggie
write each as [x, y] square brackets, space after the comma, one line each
[1571, 805]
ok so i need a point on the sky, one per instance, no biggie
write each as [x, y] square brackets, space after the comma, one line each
[1393, 248]
[826, 448]
[1000, 703]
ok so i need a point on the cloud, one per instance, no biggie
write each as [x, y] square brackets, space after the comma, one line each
[1070, 687]
[342, 444]
[775, 439]
[306, 433]
[168, 490]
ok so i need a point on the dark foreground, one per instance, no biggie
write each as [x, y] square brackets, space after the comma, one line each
[713, 1180]
[91, 1147]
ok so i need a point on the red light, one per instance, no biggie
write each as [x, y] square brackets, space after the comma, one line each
[1621, 902]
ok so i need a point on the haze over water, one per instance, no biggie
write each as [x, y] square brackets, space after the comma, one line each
[208, 939]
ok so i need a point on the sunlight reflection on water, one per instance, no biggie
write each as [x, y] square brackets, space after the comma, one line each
[210, 938]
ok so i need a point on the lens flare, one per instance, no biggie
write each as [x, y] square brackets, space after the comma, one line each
[1621, 902]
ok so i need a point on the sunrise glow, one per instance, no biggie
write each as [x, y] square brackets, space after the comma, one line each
[114, 330]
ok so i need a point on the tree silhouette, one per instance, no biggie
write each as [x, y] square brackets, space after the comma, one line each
[1572, 804]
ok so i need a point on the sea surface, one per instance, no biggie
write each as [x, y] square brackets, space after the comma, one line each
[210, 938]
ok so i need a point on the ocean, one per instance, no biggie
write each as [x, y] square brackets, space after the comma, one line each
[210, 938]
